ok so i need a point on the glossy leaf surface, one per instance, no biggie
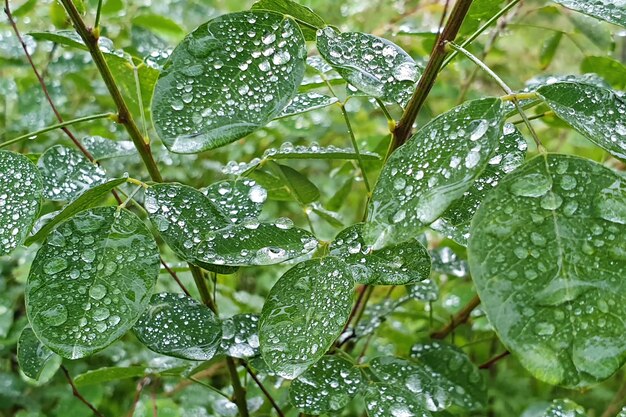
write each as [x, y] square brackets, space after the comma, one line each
[613, 11]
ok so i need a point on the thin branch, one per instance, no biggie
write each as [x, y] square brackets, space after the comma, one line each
[175, 276]
[200, 281]
[78, 394]
[616, 403]
[238, 391]
[265, 391]
[140, 385]
[494, 360]
[460, 318]
[356, 147]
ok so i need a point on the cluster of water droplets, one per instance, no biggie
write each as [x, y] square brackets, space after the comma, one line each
[239, 199]
[303, 315]
[90, 279]
[177, 325]
[67, 173]
[20, 194]
[306, 102]
[390, 400]
[102, 148]
[374, 65]
[240, 336]
[612, 10]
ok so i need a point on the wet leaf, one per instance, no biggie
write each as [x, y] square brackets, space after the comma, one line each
[384, 400]
[102, 148]
[549, 48]
[560, 408]
[35, 359]
[177, 325]
[426, 290]
[613, 71]
[305, 102]
[84, 201]
[102, 375]
[546, 253]
[67, 173]
[238, 199]
[21, 190]
[327, 386]
[301, 14]
[255, 243]
[226, 79]
[451, 367]
[314, 151]
[374, 65]
[401, 264]
[596, 112]
[433, 169]
[240, 336]
[612, 11]
[303, 314]
[90, 281]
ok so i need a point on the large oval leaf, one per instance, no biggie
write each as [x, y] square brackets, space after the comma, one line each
[177, 325]
[374, 65]
[227, 78]
[384, 400]
[613, 11]
[304, 313]
[21, 190]
[254, 243]
[596, 112]
[434, 168]
[547, 253]
[90, 281]
[401, 264]
[327, 386]
[67, 173]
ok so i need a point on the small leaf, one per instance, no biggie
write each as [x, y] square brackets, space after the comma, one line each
[84, 201]
[177, 325]
[433, 169]
[298, 186]
[158, 23]
[305, 102]
[384, 400]
[304, 314]
[308, 20]
[21, 190]
[240, 199]
[235, 72]
[613, 71]
[102, 148]
[240, 336]
[549, 48]
[560, 408]
[594, 30]
[90, 281]
[102, 375]
[327, 386]
[596, 112]
[401, 264]
[547, 251]
[314, 151]
[613, 11]
[374, 65]
[510, 154]
[449, 365]
[35, 359]
[67, 173]
[254, 243]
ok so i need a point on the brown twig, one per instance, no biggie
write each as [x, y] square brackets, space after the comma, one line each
[140, 385]
[265, 391]
[175, 276]
[460, 318]
[78, 394]
[616, 403]
[494, 360]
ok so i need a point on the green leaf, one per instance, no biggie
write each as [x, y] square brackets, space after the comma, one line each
[549, 48]
[450, 366]
[374, 65]
[183, 217]
[21, 190]
[568, 408]
[36, 360]
[90, 281]
[177, 325]
[305, 102]
[433, 169]
[304, 314]
[384, 400]
[327, 386]
[426, 290]
[401, 264]
[102, 375]
[297, 185]
[339, 198]
[446, 261]
[613, 71]
[238, 199]
[67, 173]
[254, 243]
[84, 201]
[102, 148]
[158, 23]
[240, 336]
[314, 151]
[235, 74]
[308, 20]
[510, 154]
[546, 252]
[62, 37]
[613, 11]
[596, 112]
[597, 32]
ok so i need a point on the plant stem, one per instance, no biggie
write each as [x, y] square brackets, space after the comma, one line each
[460, 318]
[96, 25]
[356, 147]
[265, 391]
[77, 394]
[205, 295]
[536, 116]
[56, 126]
[494, 360]
[238, 390]
[175, 276]
[427, 80]
[124, 115]
[616, 403]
